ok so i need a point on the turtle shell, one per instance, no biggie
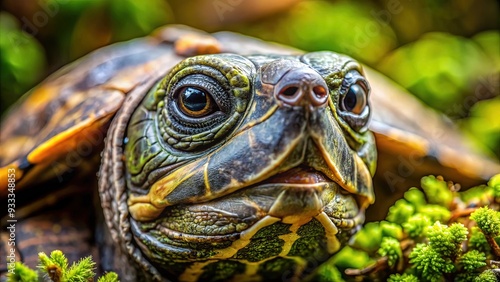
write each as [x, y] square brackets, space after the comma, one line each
[252, 161]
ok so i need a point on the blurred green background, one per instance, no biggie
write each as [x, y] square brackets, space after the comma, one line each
[447, 53]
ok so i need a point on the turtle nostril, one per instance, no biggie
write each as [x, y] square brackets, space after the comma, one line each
[319, 92]
[301, 87]
[290, 91]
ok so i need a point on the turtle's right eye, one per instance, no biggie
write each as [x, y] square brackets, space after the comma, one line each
[196, 102]
[200, 101]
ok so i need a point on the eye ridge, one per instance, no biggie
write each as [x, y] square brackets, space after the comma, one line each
[195, 101]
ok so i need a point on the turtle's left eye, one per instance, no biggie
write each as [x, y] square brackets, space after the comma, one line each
[354, 100]
[353, 105]
[196, 102]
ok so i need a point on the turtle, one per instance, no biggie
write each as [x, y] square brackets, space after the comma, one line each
[189, 156]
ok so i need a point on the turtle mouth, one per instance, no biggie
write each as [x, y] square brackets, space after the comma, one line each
[299, 175]
[303, 192]
[295, 196]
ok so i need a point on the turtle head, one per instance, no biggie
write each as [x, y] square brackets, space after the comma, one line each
[228, 156]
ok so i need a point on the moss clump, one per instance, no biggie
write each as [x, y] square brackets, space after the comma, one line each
[487, 220]
[430, 264]
[402, 278]
[391, 249]
[432, 234]
[55, 268]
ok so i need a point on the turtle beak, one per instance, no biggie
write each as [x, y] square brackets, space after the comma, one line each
[296, 85]
[336, 159]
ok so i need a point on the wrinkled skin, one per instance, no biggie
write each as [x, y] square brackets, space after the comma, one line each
[265, 184]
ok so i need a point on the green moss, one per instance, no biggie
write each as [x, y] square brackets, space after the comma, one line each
[55, 268]
[436, 191]
[495, 182]
[487, 220]
[476, 194]
[446, 240]
[390, 229]
[351, 258]
[391, 248]
[472, 261]
[416, 225]
[402, 278]
[486, 276]
[108, 277]
[430, 264]
[431, 245]
[328, 274]
[415, 197]
[435, 213]
[22, 273]
[368, 238]
[400, 212]
[81, 271]
[477, 241]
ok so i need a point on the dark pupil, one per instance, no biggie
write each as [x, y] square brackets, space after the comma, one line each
[194, 99]
[350, 98]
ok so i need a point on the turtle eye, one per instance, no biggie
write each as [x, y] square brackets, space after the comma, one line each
[195, 102]
[353, 104]
[354, 100]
